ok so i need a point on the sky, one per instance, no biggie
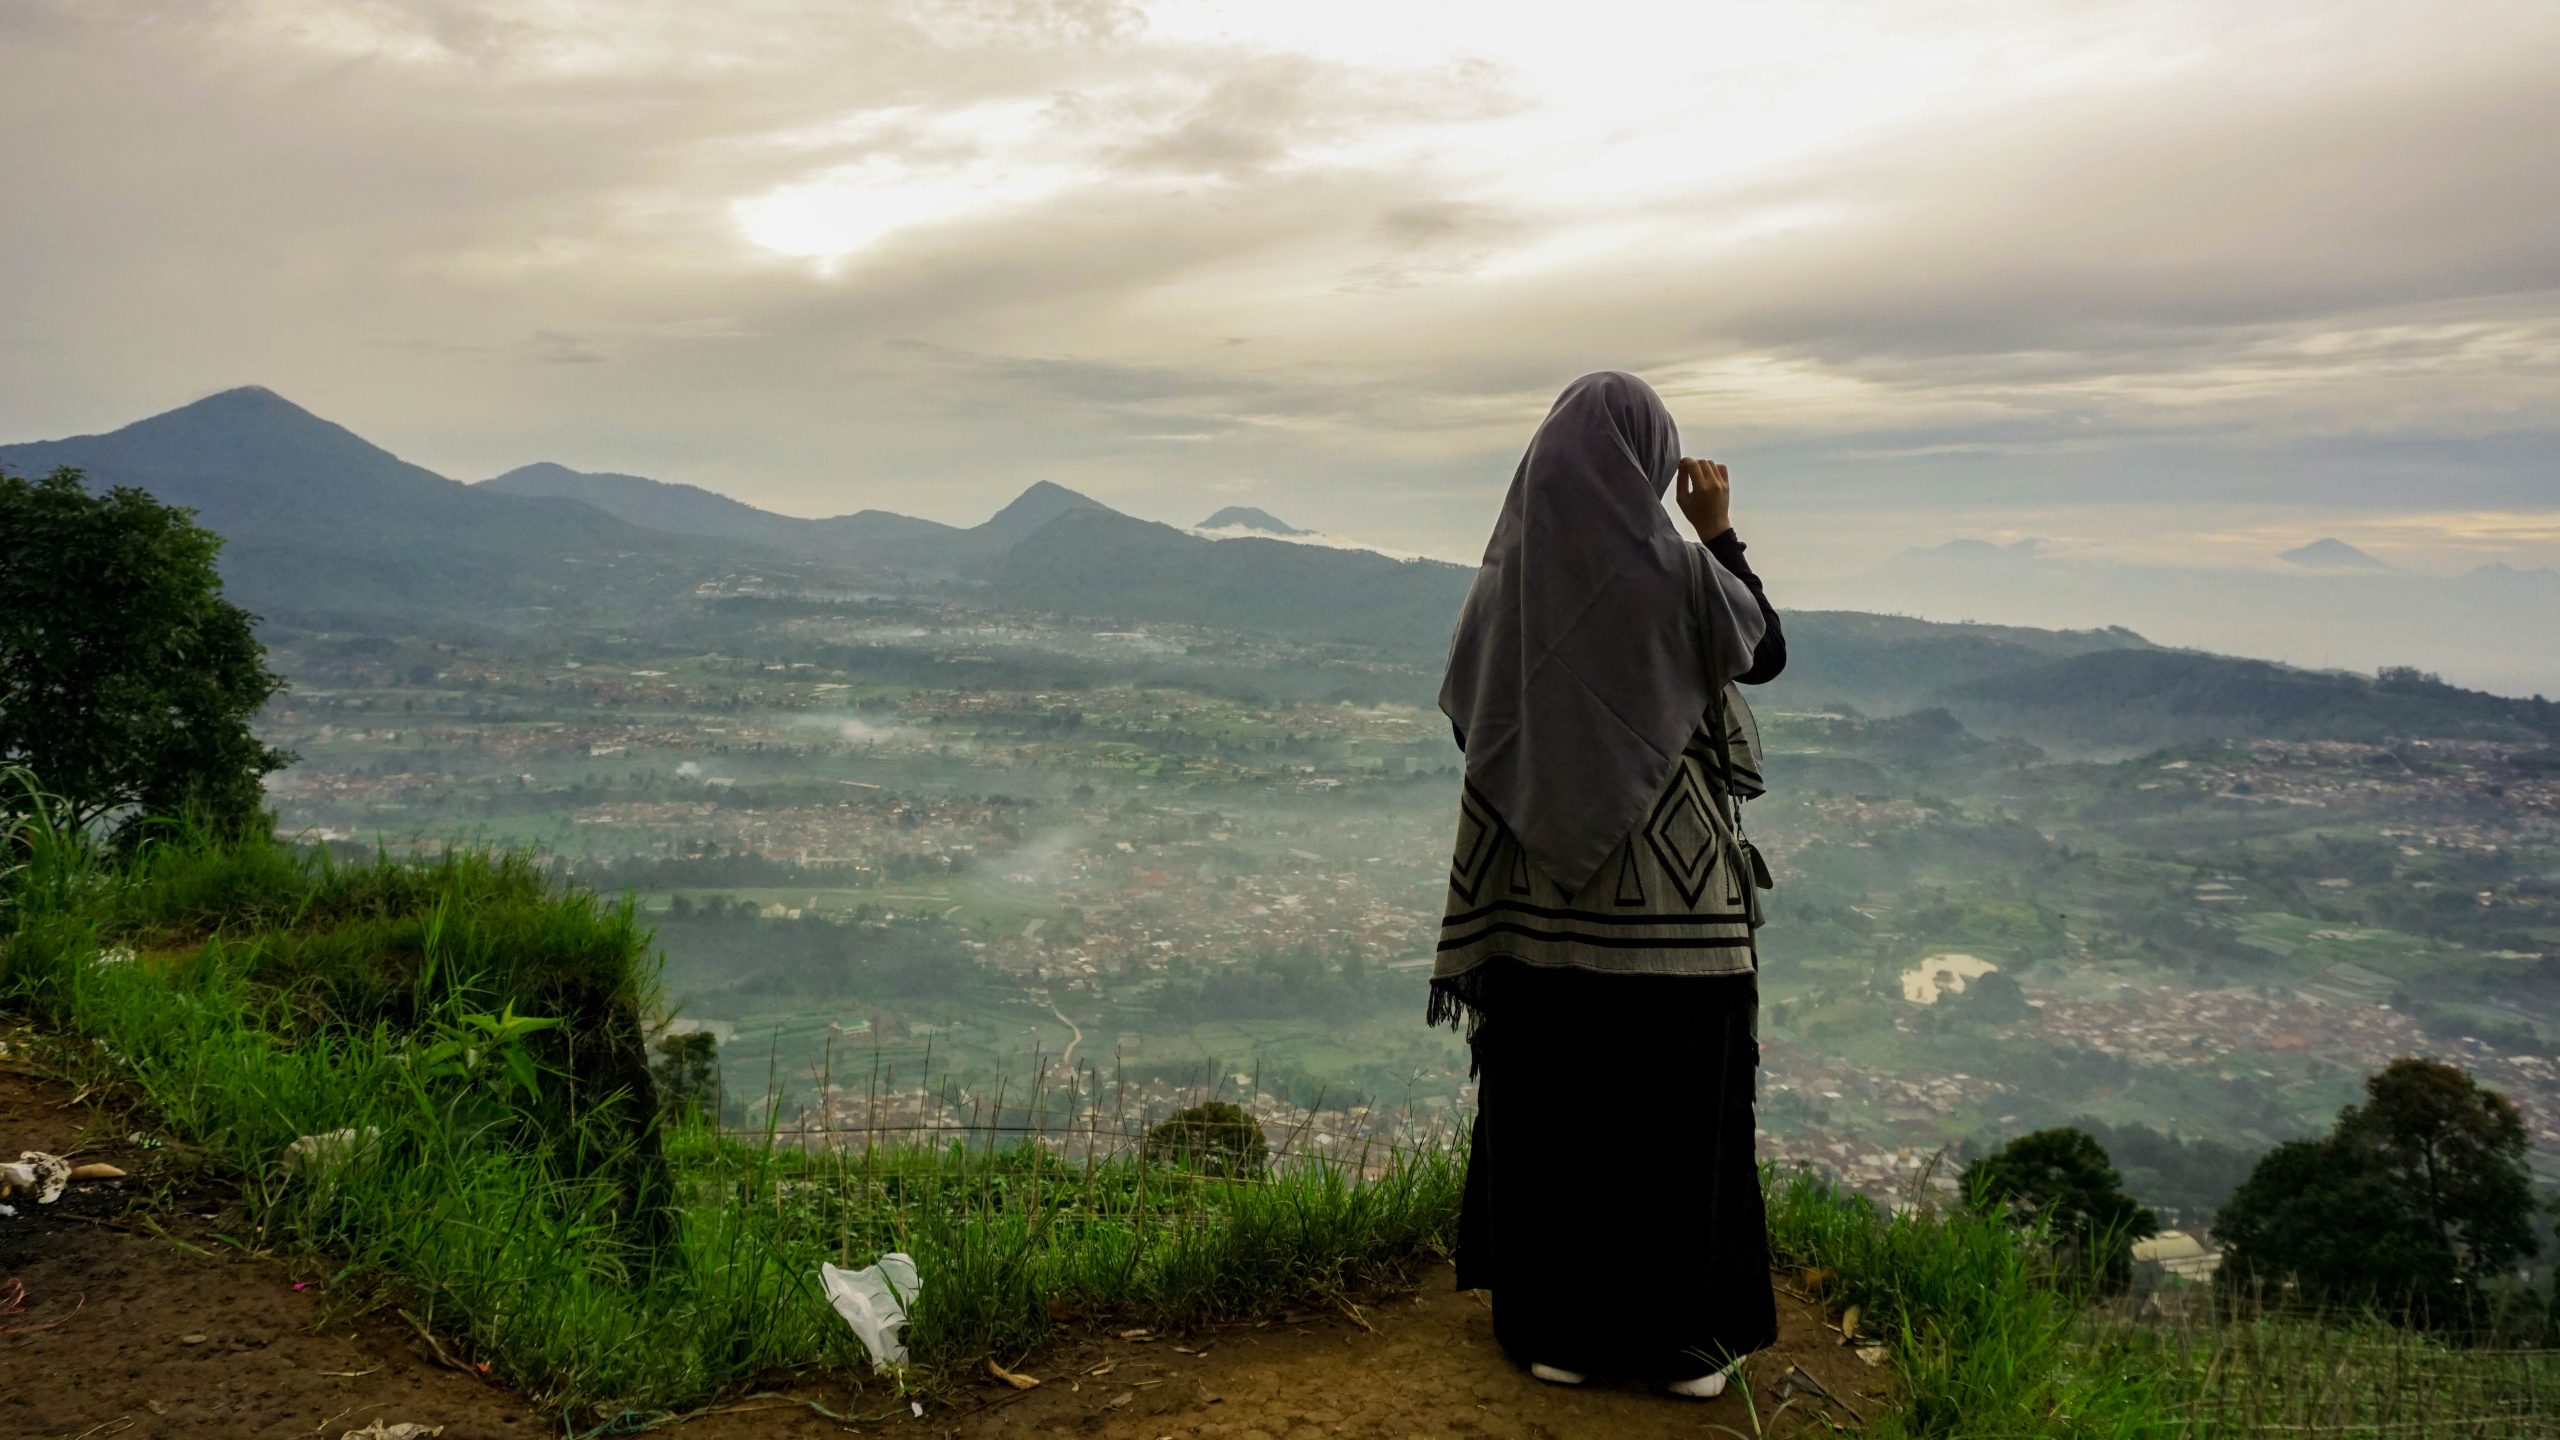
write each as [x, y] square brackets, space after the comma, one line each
[2162, 282]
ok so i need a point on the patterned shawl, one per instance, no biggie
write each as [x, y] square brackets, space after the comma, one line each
[1594, 635]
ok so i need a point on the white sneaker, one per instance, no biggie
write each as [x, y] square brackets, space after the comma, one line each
[1554, 1376]
[1705, 1387]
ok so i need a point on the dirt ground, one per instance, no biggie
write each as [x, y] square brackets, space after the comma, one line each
[137, 1318]
[122, 1331]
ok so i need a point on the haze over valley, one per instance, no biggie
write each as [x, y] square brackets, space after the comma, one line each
[899, 793]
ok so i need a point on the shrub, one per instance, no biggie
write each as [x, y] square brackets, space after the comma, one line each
[1215, 1137]
[2062, 1177]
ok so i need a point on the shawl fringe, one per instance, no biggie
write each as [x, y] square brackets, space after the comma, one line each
[1457, 1001]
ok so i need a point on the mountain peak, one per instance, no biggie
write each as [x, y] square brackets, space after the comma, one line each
[1050, 493]
[239, 400]
[538, 470]
[551, 479]
[251, 463]
[2331, 554]
[249, 428]
[1045, 501]
[1247, 517]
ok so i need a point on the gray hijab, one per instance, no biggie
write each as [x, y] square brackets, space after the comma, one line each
[1594, 635]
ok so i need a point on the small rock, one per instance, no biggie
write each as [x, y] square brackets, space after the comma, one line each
[196, 1339]
[1797, 1382]
[38, 1173]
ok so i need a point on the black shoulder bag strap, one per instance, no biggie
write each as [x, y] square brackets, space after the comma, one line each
[1755, 877]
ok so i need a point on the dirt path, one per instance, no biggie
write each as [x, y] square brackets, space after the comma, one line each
[1423, 1364]
[140, 1321]
[1068, 1060]
[129, 1334]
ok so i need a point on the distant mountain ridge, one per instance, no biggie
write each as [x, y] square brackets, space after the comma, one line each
[653, 504]
[2331, 554]
[880, 536]
[1108, 564]
[251, 454]
[1036, 507]
[680, 509]
[324, 528]
[1247, 517]
[2128, 698]
[2350, 614]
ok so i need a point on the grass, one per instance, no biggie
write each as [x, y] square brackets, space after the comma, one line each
[510, 1184]
[2223, 1374]
[1991, 1343]
[250, 995]
[1982, 1336]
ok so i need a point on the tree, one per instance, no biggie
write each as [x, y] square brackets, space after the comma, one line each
[2328, 1221]
[687, 1071]
[1994, 998]
[2173, 1173]
[2462, 1146]
[126, 681]
[2063, 1176]
[2416, 1198]
[1215, 1138]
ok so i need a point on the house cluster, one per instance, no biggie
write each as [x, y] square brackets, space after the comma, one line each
[2448, 794]
[2271, 1039]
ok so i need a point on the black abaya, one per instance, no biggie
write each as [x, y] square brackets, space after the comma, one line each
[1612, 1200]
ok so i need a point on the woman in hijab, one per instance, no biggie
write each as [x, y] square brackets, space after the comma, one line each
[1598, 938]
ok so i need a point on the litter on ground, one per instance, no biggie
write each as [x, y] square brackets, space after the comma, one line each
[873, 1300]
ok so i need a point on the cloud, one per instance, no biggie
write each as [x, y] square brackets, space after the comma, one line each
[1897, 262]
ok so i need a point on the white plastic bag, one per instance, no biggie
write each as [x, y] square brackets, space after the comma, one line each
[318, 1155]
[873, 1300]
[37, 1172]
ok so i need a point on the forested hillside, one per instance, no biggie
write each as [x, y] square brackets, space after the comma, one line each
[2148, 697]
[1106, 564]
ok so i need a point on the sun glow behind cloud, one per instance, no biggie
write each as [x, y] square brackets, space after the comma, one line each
[913, 170]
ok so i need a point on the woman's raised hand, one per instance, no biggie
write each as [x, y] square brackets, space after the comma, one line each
[1705, 493]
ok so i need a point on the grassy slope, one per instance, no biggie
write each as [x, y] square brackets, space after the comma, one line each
[503, 1218]
[253, 995]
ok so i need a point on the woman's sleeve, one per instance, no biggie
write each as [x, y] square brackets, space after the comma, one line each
[1770, 656]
